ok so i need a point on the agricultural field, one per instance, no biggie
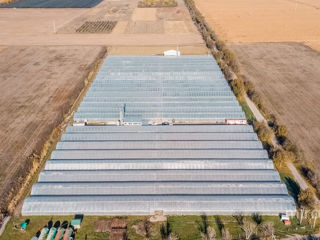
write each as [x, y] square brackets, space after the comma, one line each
[97, 27]
[287, 77]
[38, 86]
[264, 21]
[110, 23]
[49, 3]
[277, 43]
[157, 3]
[44, 58]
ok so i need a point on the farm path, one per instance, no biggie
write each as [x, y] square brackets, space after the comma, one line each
[3, 226]
[254, 109]
[303, 185]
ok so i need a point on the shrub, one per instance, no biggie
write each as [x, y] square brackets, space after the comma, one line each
[212, 35]
[249, 87]
[264, 133]
[256, 98]
[229, 75]
[280, 157]
[282, 131]
[306, 199]
[288, 145]
[272, 121]
[220, 45]
[230, 59]
[210, 44]
[237, 87]
[311, 176]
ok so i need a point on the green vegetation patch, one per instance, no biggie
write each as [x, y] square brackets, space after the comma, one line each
[97, 27]
[177, 227]
[249, 115]
[157, 3]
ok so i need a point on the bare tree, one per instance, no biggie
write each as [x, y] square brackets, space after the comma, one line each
[211, 233]
[267, 230]
[249, 228]
[207, 232]
[172, 236]
[314, 215]
[146, 226]
[226, 234]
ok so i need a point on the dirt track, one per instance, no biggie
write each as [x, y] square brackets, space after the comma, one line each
[38, 86]
[287, 77]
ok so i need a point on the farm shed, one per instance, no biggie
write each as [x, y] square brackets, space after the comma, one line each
[171, 53]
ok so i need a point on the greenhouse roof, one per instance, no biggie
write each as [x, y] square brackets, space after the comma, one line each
[158, 89]
[186, 169]
[206, 167]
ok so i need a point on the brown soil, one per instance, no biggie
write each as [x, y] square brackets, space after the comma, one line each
[158, 50]
[145, 27]
[175, 27]
[140, 229]
[137, 26]
[287, 77]
[103, 226]
[264, 21]
[39, 84]
[173, 14]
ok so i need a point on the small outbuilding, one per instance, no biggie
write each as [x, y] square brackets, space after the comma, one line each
[171, 53]
[76, 223]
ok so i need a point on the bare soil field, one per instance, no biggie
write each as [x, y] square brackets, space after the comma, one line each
[50, 4]
[38, 86]
[264, 21]
[287, 77]
[135, 26]
[158, 50]
[44, 61]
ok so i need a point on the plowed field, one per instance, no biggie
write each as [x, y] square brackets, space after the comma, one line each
[264, 21]
[287, 77]
[38, 86]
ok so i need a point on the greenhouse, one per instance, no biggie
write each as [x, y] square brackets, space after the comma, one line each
[180, 154]
[180, 169]
[155, 89]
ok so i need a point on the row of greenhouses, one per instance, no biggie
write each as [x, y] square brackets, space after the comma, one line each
[159, 133]
[134, 85]
[180, 169]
